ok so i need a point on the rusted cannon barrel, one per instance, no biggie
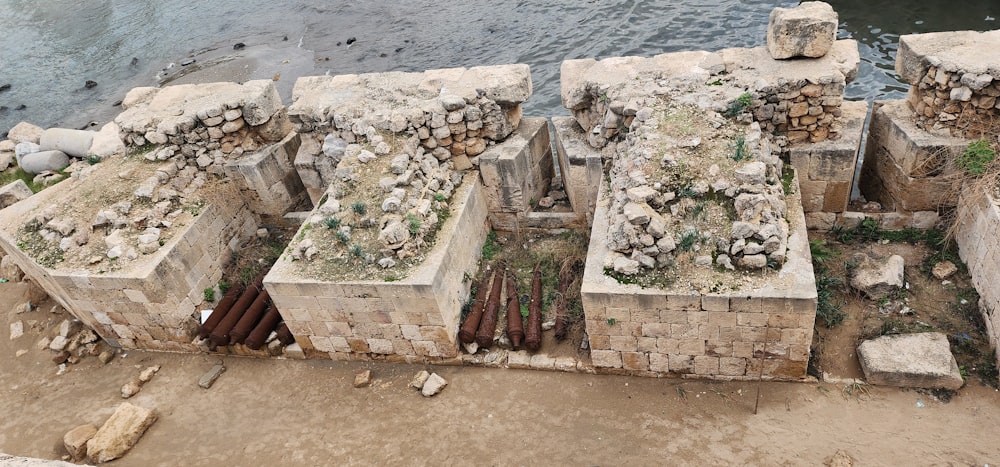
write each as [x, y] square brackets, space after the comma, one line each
[533, 335]
[515, 323]
[219, 312]
[284, 334]
[220, 335]
[249, 319]
[468, 331]
[263, 329]
[488, 326]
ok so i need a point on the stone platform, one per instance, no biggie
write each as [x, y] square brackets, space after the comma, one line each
[414, 319]
[678, 332]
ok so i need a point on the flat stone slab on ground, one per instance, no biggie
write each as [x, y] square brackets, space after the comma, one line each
[921, 360]
[876, 278]
[208, 379]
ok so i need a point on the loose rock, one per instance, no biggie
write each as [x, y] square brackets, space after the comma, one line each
[434, 385]
[363, 379]
[120, 432]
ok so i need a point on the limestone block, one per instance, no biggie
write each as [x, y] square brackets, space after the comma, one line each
[905, 167]
[950, 51]
[25, 132]
[42, 161]
[807, 30]
[75, 143]
[75, 441]
[269, 177]
[107, 142]
[580, 165]
[922, 360]
[120, 432]
[13, 192]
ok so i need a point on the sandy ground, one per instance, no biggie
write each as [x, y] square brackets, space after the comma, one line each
[270, 412]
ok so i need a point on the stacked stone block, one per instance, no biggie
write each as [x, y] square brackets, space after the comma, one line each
[455, 113]
[581, 166]
[978, 238]
[955, 80]
[654, 332]
[153, 304]
[826, 169]
[267, 178]
[204, 124]
[516, 174]
[906, 168]
[414, 320]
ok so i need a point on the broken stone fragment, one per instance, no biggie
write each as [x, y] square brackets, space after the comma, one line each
[75, 441]
[208, 379]
[419, 379]
[433, 386]
[131, 388]
[876, 277]
[363, 379]
[807, 30]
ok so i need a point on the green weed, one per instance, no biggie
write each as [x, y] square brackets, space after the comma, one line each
[975, 158]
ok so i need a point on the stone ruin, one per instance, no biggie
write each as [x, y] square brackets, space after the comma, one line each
[698, 173]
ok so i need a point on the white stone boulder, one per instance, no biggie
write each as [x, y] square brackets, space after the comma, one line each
[106, 142]
[74, 143]
[876, 278]
[38, 162]
[921, 360]
[120, 432]
[807, 30]
[25, 132]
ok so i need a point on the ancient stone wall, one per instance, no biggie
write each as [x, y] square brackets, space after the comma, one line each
[414, 319]
[455, 114]
[204, 124]
[954, 81]
[978, 238]
[729, 335]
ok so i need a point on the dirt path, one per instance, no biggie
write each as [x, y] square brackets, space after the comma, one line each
[270, 412]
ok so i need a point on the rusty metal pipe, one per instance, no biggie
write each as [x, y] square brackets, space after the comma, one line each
[488, 326]
[249, 319]
[468, 332]
[219, 312]
[533, 334]
[285, 335]
[220, 336]
[515, 322]
[263, 329]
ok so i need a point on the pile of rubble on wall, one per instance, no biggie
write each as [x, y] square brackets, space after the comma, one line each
[203, 125]
[954, 83]
[398, 141]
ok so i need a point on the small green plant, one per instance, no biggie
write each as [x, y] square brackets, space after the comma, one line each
[93, 159]
[19, 174]
[688, 240]
[439, 197]
[359, 208]
[209, 294]
[612, 321]
[740, 150]
[357, 251]
[604, 98]
[738, 105]
[342, 237]
[224, 286]
[332, 223]
[412, 224]
[975, 158]
[491, 248]
[787, 178]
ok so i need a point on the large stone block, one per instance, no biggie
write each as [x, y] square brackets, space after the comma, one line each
[581, 166]
[905, 167]
[25, 132]
[13, 192]
[952, 51]
[807, 30]
[74, 143]
[44, 161]
[978, 236]
[268, 177]
[120, 432]
[921, 360]
[826, 169]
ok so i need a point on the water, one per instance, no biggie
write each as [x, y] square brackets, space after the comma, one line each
[49, 49]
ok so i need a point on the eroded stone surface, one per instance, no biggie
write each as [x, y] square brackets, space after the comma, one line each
[921, 360]
[120, 432]
[807, 30]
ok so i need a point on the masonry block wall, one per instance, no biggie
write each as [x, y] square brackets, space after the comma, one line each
[414, 320]
[978, 237]
[153, 305]
[653, 332]
[267, 178]
[581, 166]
